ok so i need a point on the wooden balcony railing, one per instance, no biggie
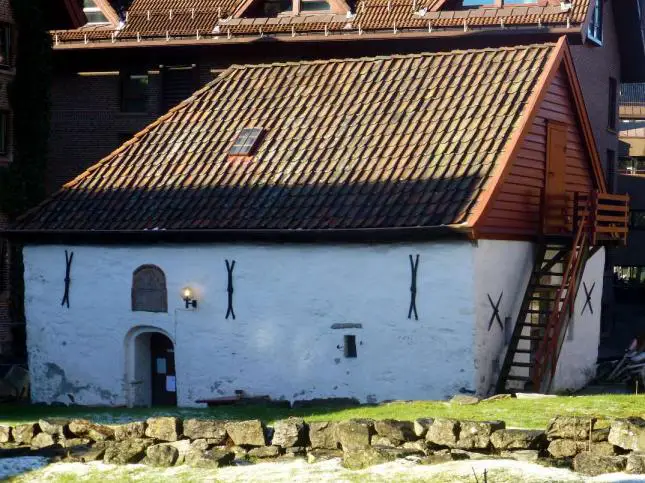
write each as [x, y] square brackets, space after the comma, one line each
[608, 217]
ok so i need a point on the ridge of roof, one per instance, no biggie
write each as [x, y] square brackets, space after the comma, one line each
[419, 154]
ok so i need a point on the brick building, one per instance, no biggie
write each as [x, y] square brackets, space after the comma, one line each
[60, 14]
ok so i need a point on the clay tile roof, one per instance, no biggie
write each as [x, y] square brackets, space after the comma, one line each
[167, 20]
[383, 142]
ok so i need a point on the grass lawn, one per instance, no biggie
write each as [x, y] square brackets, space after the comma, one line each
[521, 413]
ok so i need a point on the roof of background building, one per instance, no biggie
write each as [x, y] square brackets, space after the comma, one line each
[384, 142]
[169, 20]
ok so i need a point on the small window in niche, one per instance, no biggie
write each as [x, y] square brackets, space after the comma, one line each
[350, 346]
[149, 292]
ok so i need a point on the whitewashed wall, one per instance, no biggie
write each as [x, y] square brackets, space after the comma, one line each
[501, 268]
[281, 344]
[577, 363]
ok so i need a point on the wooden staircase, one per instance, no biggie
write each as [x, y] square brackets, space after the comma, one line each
[540, 329]
[537, 306]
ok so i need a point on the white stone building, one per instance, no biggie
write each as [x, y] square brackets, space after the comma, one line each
[391, 247]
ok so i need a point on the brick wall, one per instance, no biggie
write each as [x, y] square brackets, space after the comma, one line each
[594, 66]
[87, 122]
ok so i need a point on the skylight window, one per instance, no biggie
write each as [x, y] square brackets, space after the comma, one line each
[247, 142]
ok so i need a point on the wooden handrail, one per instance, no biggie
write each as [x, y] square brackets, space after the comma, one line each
[597, 217]
[548, 350]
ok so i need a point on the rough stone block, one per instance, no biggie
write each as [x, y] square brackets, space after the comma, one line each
[385, 442]
[359, 458]
[128, 451]
[5, 434]
[212, 458]
[570, 427]
[43, 440]
[24, 433]
[134, 430]
[443, 432]
[476, 434]
[590, 464]
[511, 439]
[167, 428]
[628, 434]
[419, 446]
[603, 448]
[265, 452]
[206, 429]
[74, 442]
[290, 432]
[635, 464]
[396, 431]
[162, 455]
[86, 429]
[355, 433]
[566, 448]
[54, 426]
[421, 426]
[323, 435]
[247, 433]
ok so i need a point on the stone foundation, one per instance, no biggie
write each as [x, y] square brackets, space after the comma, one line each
[582, 444]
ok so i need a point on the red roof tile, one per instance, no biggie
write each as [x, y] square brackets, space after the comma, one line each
[398, 141]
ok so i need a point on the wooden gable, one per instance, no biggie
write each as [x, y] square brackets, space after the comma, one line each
[517, 208]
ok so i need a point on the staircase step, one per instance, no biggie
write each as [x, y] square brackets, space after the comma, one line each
[537, 311]
[530, 337]
[522, 364]
[518, 378]
[533, 326]
[546, 299]
[553, 274]
[523, 351]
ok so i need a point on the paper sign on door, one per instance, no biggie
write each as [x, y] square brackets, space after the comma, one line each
[171, 384]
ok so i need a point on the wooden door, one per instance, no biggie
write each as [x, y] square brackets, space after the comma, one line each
[556, 219]
[164, 382]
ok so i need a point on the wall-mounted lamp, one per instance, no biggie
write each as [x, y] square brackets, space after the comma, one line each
[188, 297]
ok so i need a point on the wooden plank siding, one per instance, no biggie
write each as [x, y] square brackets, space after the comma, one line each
[517, 208]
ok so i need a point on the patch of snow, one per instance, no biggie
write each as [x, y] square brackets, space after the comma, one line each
[16, 466]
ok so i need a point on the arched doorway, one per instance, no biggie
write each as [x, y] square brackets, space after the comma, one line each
[150, 372]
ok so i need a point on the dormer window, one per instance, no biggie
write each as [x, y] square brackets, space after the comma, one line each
[247, 142]
[93, 13]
